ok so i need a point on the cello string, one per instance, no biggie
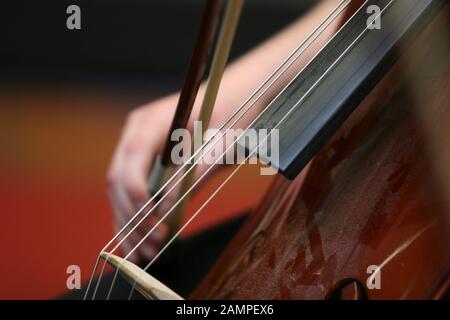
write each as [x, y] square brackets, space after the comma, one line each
[256, 148]
[181, 199]
[177, 203]
[164, 217]
[217, 160]
[295, 53]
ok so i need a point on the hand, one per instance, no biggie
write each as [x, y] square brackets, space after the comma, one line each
[142, 139]
[147, 127]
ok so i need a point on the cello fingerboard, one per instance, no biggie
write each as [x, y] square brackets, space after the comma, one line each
[316, 103]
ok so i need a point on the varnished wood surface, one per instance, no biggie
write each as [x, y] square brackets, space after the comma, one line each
[370, 197]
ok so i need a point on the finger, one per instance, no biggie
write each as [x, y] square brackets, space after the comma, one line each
[127, 181]
[130, 141]
[148, 248]
[135, 171]
[138, 147]
[126, 248]
[125, 240]
[121, 201]
[122, 206]
[159, 234]
[153, 240]
[117, 188]
[147, 251]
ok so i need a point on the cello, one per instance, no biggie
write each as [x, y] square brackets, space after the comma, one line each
[360, 207]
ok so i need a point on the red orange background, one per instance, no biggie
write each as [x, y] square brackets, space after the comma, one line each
[56, 143]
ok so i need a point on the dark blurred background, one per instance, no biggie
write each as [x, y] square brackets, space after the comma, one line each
[133, 38]
[63, 98]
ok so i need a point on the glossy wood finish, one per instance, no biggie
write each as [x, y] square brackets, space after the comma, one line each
[369, 197]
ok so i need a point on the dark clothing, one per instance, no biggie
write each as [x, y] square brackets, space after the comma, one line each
[181, 267]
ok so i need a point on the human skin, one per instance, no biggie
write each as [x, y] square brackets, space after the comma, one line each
[146, 127]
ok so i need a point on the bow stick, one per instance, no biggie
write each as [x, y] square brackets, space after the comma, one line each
[221, 54]
[196, 71]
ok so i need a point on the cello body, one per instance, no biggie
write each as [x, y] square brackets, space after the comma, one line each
[366, 218]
